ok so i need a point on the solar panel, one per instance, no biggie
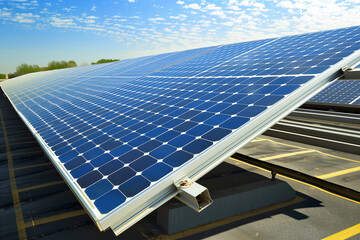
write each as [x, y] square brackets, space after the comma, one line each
[342, 92]
[122, 133]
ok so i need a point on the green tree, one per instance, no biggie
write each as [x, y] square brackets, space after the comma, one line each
[2, 76]
[105, 61]
[26, 68]
[61, 64]
[72, 63]
[56, 65]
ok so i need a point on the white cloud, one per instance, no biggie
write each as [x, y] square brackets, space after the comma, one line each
[179, 17]
[229, 23]
[183, 29]
[28, 5]
[131, 1]
[212, 23]
[62, 22]
[91, 17]
[193, 6]
[205, 23]
[285, 4]
[156, 19]
[234, 7]
[89, 21]
[259, 5]
[218, 13]
[245, 3]
[69, 9]
[5, 14]
[25, 18]
[212, 7]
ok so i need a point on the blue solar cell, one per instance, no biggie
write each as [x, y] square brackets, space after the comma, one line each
[201, 117]
[109, 201]
[217, 119]
[197, 146]
[120, 150]
[250, 99]
[141, 119]
[69, 155]
[110, 145]
[173, 123]
[185, 126]
[156, 171]
[168, 136]
[89, 179]
[285, 90]
[121, 175]
[74, 163]
[130, 156]
[178, 158]
[199, 130]
[155, 132]
[93, 153]
[102, 159]
[162, 151]
[98, 189]
[251, 111]
[134, 186]
[268, 100]
[180, 140]
[150, 145]
[110, 167]
[85, 147]
[82, 170]
[138, 141]
[58, 145]
[216, 134]
[234, 109]
[234, 122]
[142, 163]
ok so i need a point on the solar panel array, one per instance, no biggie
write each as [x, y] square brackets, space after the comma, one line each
[121, 133]
[342, 92]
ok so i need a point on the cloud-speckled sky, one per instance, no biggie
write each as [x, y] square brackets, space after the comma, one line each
[36, 31]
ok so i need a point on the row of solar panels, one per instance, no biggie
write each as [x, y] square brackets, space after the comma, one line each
[121, 134]
[343, 92]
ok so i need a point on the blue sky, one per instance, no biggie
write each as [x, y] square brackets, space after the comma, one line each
[36, 31]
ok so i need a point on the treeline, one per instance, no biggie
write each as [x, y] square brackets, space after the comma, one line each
[105, 61]
[27, 68]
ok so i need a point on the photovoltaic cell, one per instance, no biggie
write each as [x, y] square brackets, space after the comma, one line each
[343, 92]
[121, 133]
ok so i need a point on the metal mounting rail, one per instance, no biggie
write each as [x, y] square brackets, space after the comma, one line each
[316, 128]
[325, 131]
[325, 185]
[351, 74]
[340, 107]
[342, 117]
